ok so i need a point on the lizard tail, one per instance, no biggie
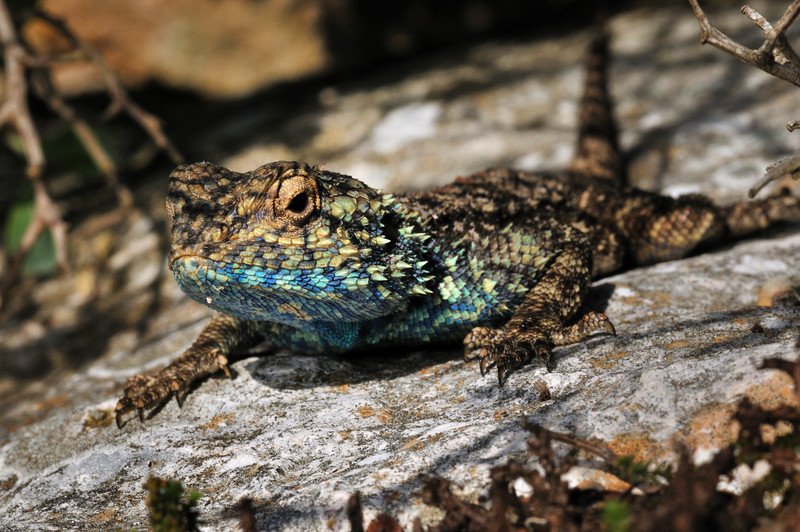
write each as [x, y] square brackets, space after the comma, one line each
[598, 154]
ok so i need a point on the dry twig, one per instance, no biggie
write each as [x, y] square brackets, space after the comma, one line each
[43, 86]
[120, 101]
[592, 446]
[789, 166]
[775, 56]
[14, 113]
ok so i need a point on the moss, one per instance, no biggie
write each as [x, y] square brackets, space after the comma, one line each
[170, 508]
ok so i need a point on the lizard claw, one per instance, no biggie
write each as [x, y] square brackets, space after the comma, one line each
[222, 363]
[588, 324]
[544, 352]
[508, 350]
[484, 365]
[146, 391]
[124, 405]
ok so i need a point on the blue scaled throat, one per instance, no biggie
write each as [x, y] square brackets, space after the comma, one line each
[303, 259]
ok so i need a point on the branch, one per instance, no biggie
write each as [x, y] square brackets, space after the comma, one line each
[592, 446]
[46, 215]
[789, 166]
[15, 113]
[42, 83]
[120, 101]
[775, 56]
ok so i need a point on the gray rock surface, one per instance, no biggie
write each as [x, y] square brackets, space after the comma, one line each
[299, 434]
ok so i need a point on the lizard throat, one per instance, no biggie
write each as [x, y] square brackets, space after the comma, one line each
[290, 296]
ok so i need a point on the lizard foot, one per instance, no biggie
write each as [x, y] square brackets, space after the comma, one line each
[747, 217]
[591, 323]
[511, 348]
[145, 391]
[507, 349]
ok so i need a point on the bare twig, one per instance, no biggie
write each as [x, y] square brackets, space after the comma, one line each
[15, 113]
[15, 110]
[42, 84]
[592, 446]
[775, 56]
[789, 166]
[120, 101]
[776, 42]
[45, 216]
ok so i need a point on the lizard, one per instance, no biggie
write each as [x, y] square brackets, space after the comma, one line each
[295, 257]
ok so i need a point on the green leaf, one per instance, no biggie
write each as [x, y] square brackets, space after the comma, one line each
[65, 152]
[41, 259]
[170, 509]
[617, 516]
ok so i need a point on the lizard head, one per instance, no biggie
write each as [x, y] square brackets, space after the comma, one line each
[291, 243]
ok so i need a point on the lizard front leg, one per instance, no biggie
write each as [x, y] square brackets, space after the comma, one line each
[541, 321]
[224, 337]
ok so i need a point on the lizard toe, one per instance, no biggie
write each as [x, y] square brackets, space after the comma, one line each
[475, 341]
[508, 350]
[146, 391]
[589, 324]
[518, 352]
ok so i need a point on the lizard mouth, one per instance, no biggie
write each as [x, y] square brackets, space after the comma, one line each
[173, 258]
[184, 257]
[194, 266]
[187, 262]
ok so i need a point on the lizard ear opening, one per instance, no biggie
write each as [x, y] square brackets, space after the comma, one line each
[297, 200]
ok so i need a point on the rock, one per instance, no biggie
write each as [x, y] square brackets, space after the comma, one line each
[299, 434]
[188, 44]
[234, 48]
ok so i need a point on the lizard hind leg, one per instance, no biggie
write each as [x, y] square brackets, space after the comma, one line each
[660, 228]
[540, 322]
[751, 216]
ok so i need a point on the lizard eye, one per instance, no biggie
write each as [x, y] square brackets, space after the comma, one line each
[298, 203]
[297, 200]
